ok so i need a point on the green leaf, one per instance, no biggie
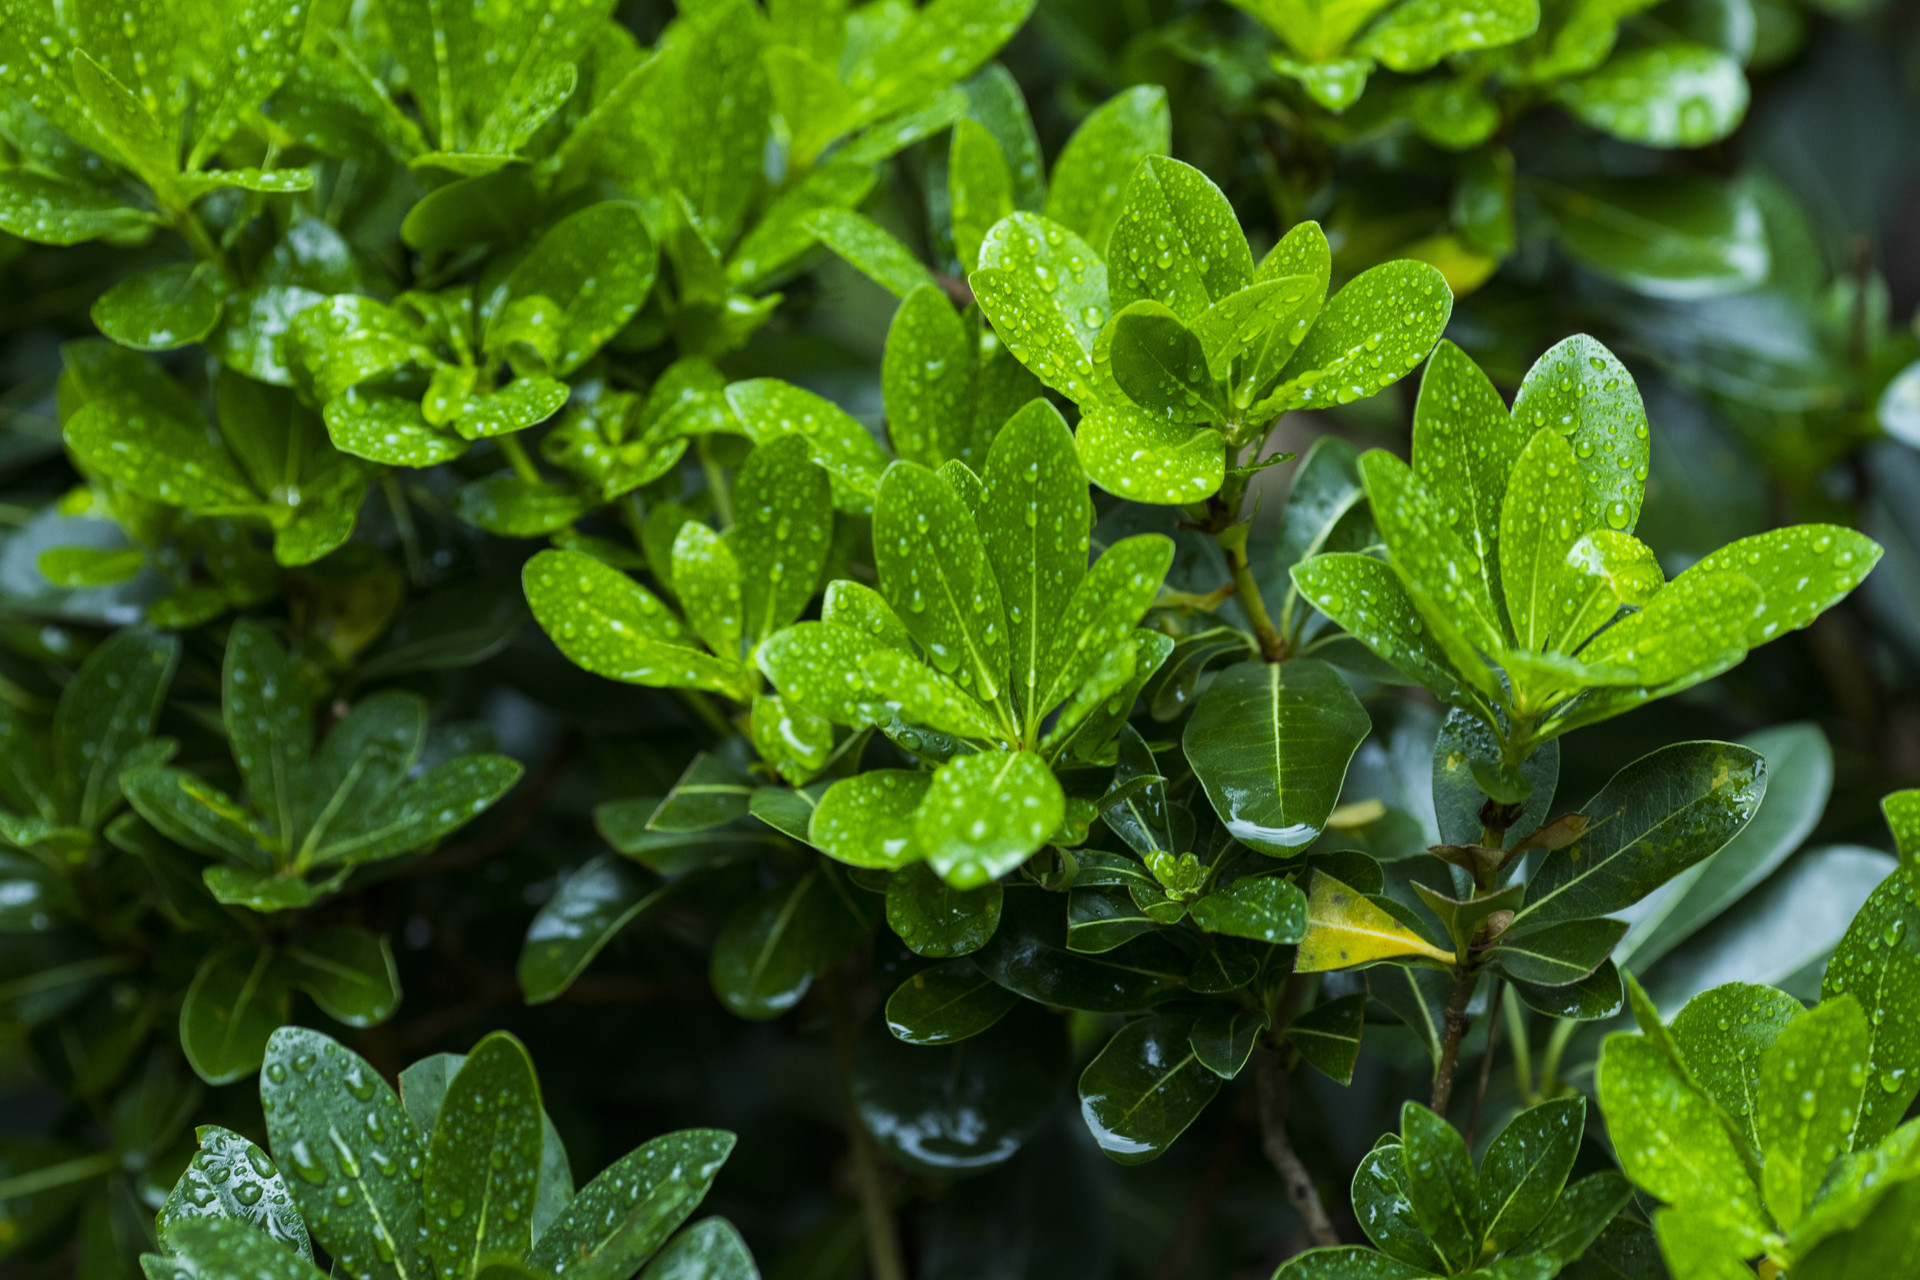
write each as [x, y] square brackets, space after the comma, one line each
[1386, 1214]
[774, 943]
[79, 567]
[1585, 1212]
[161, 308]
[1524, 1169]
[1223, 1038]
[1878, 964]
[230, 1178]
[483, 1161]
[1596, 996]
[1413, 37]
[868, 820]
[1090, 177]
[585, 913]
[269, 720]
[522, 403]
[1691, 629]
[980, 186]
[1347, 1262]
[1145, 1087]
[1558, 954]
[1382, 324]
[708, 1250]
[1802, 571]
[946, 1004]
[261, 45]
[985, 814]
[1662, 95]
[225, 1247]
[769, 408]
[237, 998]
[1267, 318]
[1799, 780]
[389, 430]
[1582, 391]
[713, 791]
[138, 140]
[1435, 563]
[1270, 743]
[1028, 955]
[1437, 1172]
[349, 972]
[1883, 1245]
[707, 578]
[943, 588]
[595, 269]
[1162, 366]
[927, 380]
[1654, 819]
[811, 662]
[785, 523]
[1346, 930]
[50, 210]
[935, 919]
[1328, 1035]
[876, 252]
[1176, 242]
[611, 625]
[1808, 1101]
[1035, 523]
[158, 456]
[617, 1221]
[1539, 523]
[1669, 1140]
[330, 1115]
[428, 806]
[1263, 908]
[1371, 603]
[192, 813]
[1139, 456]
[1100, 919]
[1668, 236]
[104, 718]
[1722, 1034]
[1045, 290]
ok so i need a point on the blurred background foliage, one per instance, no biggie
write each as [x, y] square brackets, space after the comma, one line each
[1758, 269]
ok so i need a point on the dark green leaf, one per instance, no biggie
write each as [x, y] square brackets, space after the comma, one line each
[229, 1177]
[230, 1247]
[1524, 1168]
[618, 1220]
[1328, 1035]
[1670, 236]
[237, 998]
[483, 1161]
[348, 971]
[1437, 1173]
[708, 1250]
[1270, 743]
[1557, 954]
[1145, 1087]
[935, 919]
[946, 1004]
[1028, 954]
[337, 1124]
[775, 942]
[1224, 1038]
[104, 718]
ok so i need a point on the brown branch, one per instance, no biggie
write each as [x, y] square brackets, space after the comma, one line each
[1486, 1063]
[1271, 1080]
[1463, 982]
[1177, 1257]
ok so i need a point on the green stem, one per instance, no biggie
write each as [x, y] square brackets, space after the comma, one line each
[1550, 1060]
[63, 1174]
[709, 714]
[884, 1258]
[403, 525]
[1273, 647]
[716, 484]
[1517, 1044]
[516, 455]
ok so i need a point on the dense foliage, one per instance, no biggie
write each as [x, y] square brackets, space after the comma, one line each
[1121, 640]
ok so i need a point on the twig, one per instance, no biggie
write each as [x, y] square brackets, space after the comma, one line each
[1301, 1193]
[1486, 1062]
[884, 1259]
[1463, 981]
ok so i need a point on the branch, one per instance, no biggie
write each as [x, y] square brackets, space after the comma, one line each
[884, 1259]
[1463, 982]
[1271, 1079]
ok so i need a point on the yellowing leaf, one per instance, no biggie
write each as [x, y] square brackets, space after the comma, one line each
[1345, 930]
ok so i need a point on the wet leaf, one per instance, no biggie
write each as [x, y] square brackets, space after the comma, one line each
[980, 186]
[1162, 366]
[868, 820]
[1802, 572]
[708, 1250]
[1372, 333]
[594, 268]
[1878, 964]
[1224, 1038]
[483, 1160]
[349, 972]
[1262, 908]
[935, 573]
[1437, 1173]
[1145, 1087]
[51, 210]
[768, 409]
[1668, 236]
[1662, 95]
[1722, 1033]
[231, 1247]
[1090, 177]
[1807, 1102]
[1139, 456]
[617, 1221]
[1345, 930]
[1028, 955]
[158, 456]
[946, 1004]
[586, 912]
[774, 943]
[1558, 954]
[335, 1123]
[1045, 290]
[229, 1177]
[1270, 743]
[985, 814]
[1524, 1169]
[1328, 1035]
[876, 252]
[927, 380]
[935, 919]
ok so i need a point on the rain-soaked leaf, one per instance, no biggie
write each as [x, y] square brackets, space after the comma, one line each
[1145, 1087]
[1723, 1033]
[1263, 908]
[1807, 1102]
[927, 380]
[237, 998]
[769, 408]
[617, 1220]
[946, 1004]
[1437, 1172]
[1270, 743]
[935, 572]
[1524, 1168]
[230, 1177]
[586, 912]
[1378, 327]
[1666, 95]
[217, 1246]
[162, 308]
[1090, 177]
[1878, 964]
[877, 253]
[1045, 290]
[935, 919]
[1801, 571]
[774, 943]
[483, 1160]
[984, 814]
[867, 820]
[1143, 457]
[157, 455]
[313, 1089]
[1176, 242]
